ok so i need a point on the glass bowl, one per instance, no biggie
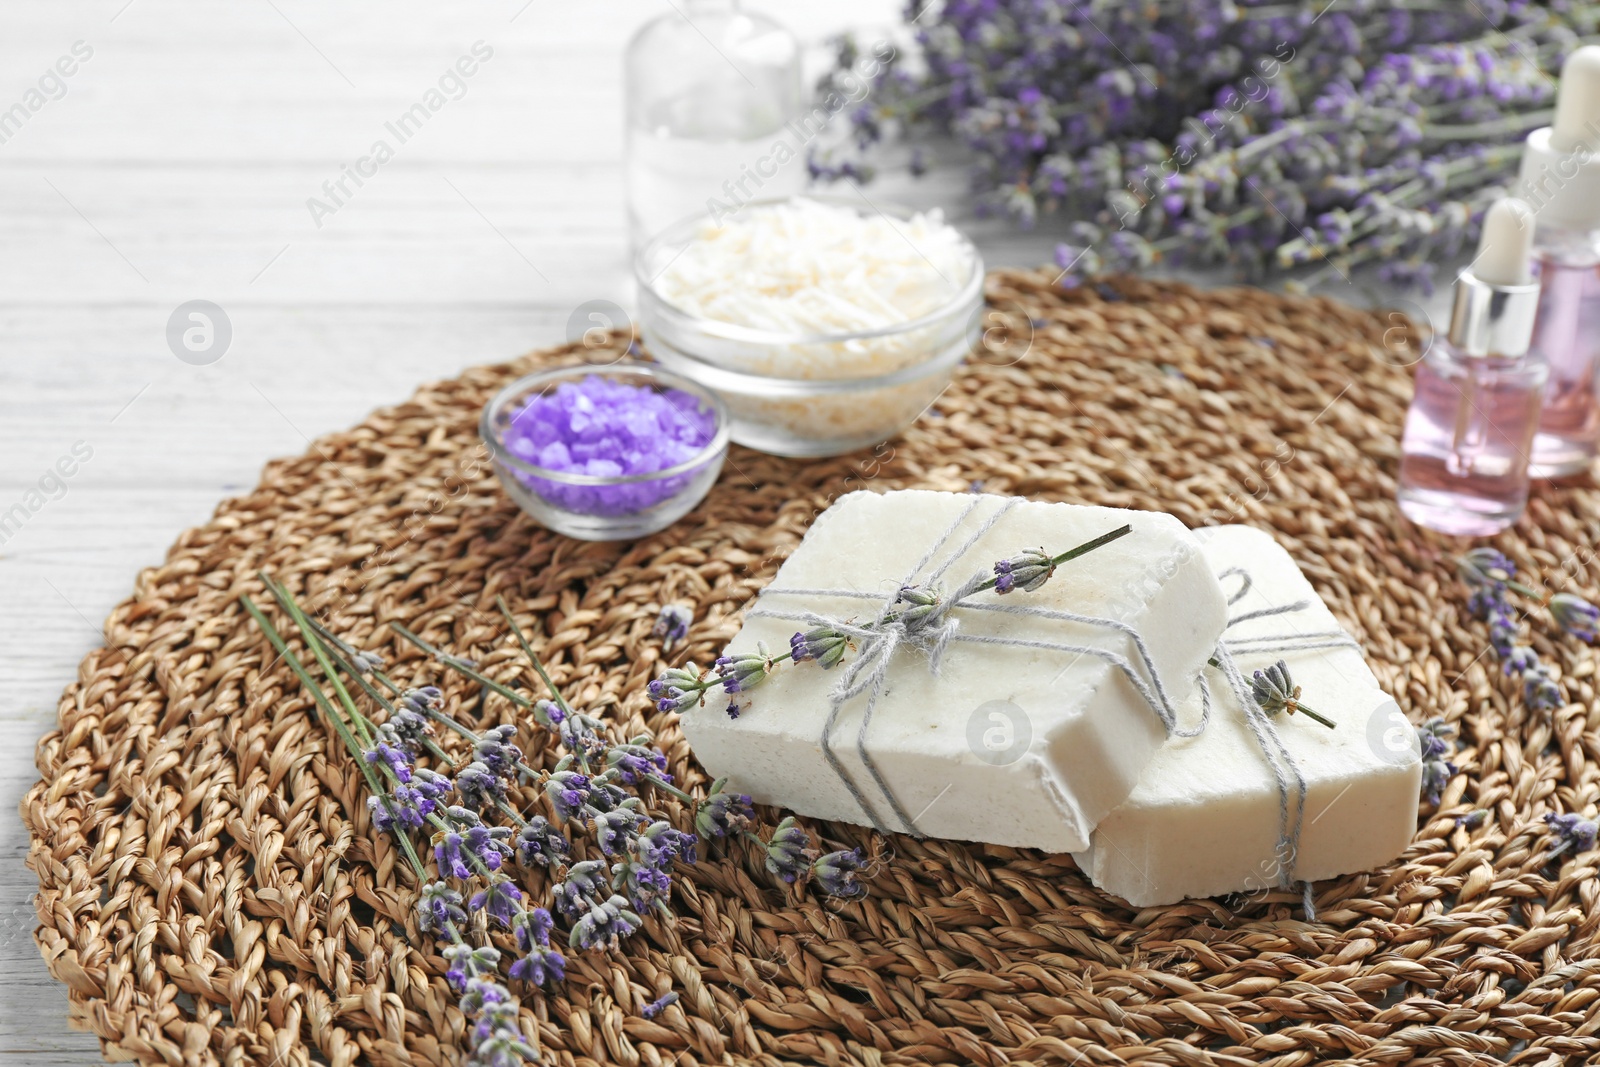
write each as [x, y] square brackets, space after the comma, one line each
[811, 394]
[597, 507]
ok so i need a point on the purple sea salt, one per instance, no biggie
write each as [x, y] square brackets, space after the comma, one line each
[602, 428]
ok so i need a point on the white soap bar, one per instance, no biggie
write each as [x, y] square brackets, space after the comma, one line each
[1011, 745]
[1204, 818]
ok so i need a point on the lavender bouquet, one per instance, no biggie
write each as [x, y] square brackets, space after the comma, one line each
[602, 787]
[1264, 135]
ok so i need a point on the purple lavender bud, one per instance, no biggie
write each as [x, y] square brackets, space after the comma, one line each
[438, 906]
[579, 732]
[614, 830]
[789, 851]
[1026, 571]
[636, 763]
[1434, 735]
[1521, 660]
[1485, 567]
[540, 965]
[539, 844]
[1436, 774]
[644, 885]
[478, 786]
[660, 843]
[549, 712]
[677, 688]
[1274, 689]
[745, 671]
[532, 927]
[396, 759]
[451, 860]
[1540, 691]
[567, 790]
[466, 963]
[1473, 819]
[1488, 602]
[500, 901]
[1575, 615]
[659, 1005]
[823, 644]
[1572, 831]
[835, 874]
[575, 894]
[488, 843]
[722, 813]
[421, 701]
[607, 923]
[672, 625]
[496, 752]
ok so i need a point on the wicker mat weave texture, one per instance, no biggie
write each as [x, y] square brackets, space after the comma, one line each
[211, 890]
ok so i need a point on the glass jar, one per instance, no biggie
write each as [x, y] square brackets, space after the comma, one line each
[710, 91]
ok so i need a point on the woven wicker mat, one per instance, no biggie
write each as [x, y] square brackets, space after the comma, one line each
[211, 889]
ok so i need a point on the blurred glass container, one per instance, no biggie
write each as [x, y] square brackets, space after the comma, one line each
[812, 394]
[710, 91]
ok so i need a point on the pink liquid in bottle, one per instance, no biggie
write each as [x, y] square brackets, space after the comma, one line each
[1467, 440]
[1568, 337]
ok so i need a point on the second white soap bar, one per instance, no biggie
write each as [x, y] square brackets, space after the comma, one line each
[1008, 744]
[1204, 818]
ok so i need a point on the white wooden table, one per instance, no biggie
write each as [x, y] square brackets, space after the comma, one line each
[175, 165]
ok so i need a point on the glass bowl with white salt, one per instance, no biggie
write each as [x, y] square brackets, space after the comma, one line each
[826, 325]
[606, 453]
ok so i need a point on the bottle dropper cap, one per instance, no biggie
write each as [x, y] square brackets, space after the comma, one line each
[1496, 297]
[1561, 162]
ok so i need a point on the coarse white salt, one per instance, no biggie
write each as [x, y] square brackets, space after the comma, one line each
[1204, 818]
[806, 267]
[1008, 744]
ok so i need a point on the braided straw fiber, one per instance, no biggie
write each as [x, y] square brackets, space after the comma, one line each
[211, 890]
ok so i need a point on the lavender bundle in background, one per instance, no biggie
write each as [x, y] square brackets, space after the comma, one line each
[1262, 136]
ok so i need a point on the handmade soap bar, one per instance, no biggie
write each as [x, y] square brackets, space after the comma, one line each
[1205, 817]
[1010, 743]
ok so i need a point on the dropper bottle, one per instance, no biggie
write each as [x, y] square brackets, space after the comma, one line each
[1465, 450]
[1561, 180]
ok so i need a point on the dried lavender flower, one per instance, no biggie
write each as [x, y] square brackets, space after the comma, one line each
[659, 1005]
[575, 893]
[1571, 831]
[1026, 571]
[1274, 690]
[1540, 690]
[722, 813]
[605, 924]
[743, 672]
[677, 688]
[789, 850]
[568, 792]
[835, 874]
[1485, 567]
[437, 907]
[614, 830]
[636, 763]
[540, 844]
[823, 644]
[1575, 615]
[478, 786]
[672, 625]
[500, 900]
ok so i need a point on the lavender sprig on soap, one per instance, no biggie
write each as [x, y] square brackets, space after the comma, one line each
[680, 688]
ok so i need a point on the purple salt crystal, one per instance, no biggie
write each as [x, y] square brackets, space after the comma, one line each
[597, 427]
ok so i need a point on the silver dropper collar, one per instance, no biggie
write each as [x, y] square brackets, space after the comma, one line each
[1492, 320]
